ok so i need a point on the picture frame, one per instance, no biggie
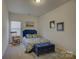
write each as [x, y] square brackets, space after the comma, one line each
[60, 26]
[52, 24]
[29, 24]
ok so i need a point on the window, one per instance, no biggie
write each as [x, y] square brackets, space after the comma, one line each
[15, 28]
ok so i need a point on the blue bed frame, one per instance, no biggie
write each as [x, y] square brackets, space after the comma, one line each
[36, 46]
[29, 31]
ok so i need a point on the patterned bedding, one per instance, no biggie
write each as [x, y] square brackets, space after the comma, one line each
[30, 42]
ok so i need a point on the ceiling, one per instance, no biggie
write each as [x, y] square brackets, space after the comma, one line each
[29, 7]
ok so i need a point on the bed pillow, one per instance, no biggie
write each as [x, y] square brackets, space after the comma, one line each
[36, 36]
[33, 36]
[29, 36]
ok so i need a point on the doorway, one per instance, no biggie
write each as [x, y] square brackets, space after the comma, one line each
[15, 32]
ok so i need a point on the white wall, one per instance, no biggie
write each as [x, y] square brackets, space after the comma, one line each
[23, 19]
[5, 27]
[65, 13]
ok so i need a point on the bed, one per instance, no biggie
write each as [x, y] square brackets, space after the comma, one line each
[31, 38]
[31, 43]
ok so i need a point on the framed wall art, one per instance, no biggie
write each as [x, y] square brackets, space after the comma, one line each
[29, 24]
[52, 24]
[60, 26]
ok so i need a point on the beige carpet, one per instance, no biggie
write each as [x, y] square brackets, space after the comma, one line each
[53, 56]
[17, 52]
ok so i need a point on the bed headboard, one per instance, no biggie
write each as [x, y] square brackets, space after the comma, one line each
[29, 31]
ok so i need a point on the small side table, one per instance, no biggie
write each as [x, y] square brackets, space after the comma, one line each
[16, 40]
